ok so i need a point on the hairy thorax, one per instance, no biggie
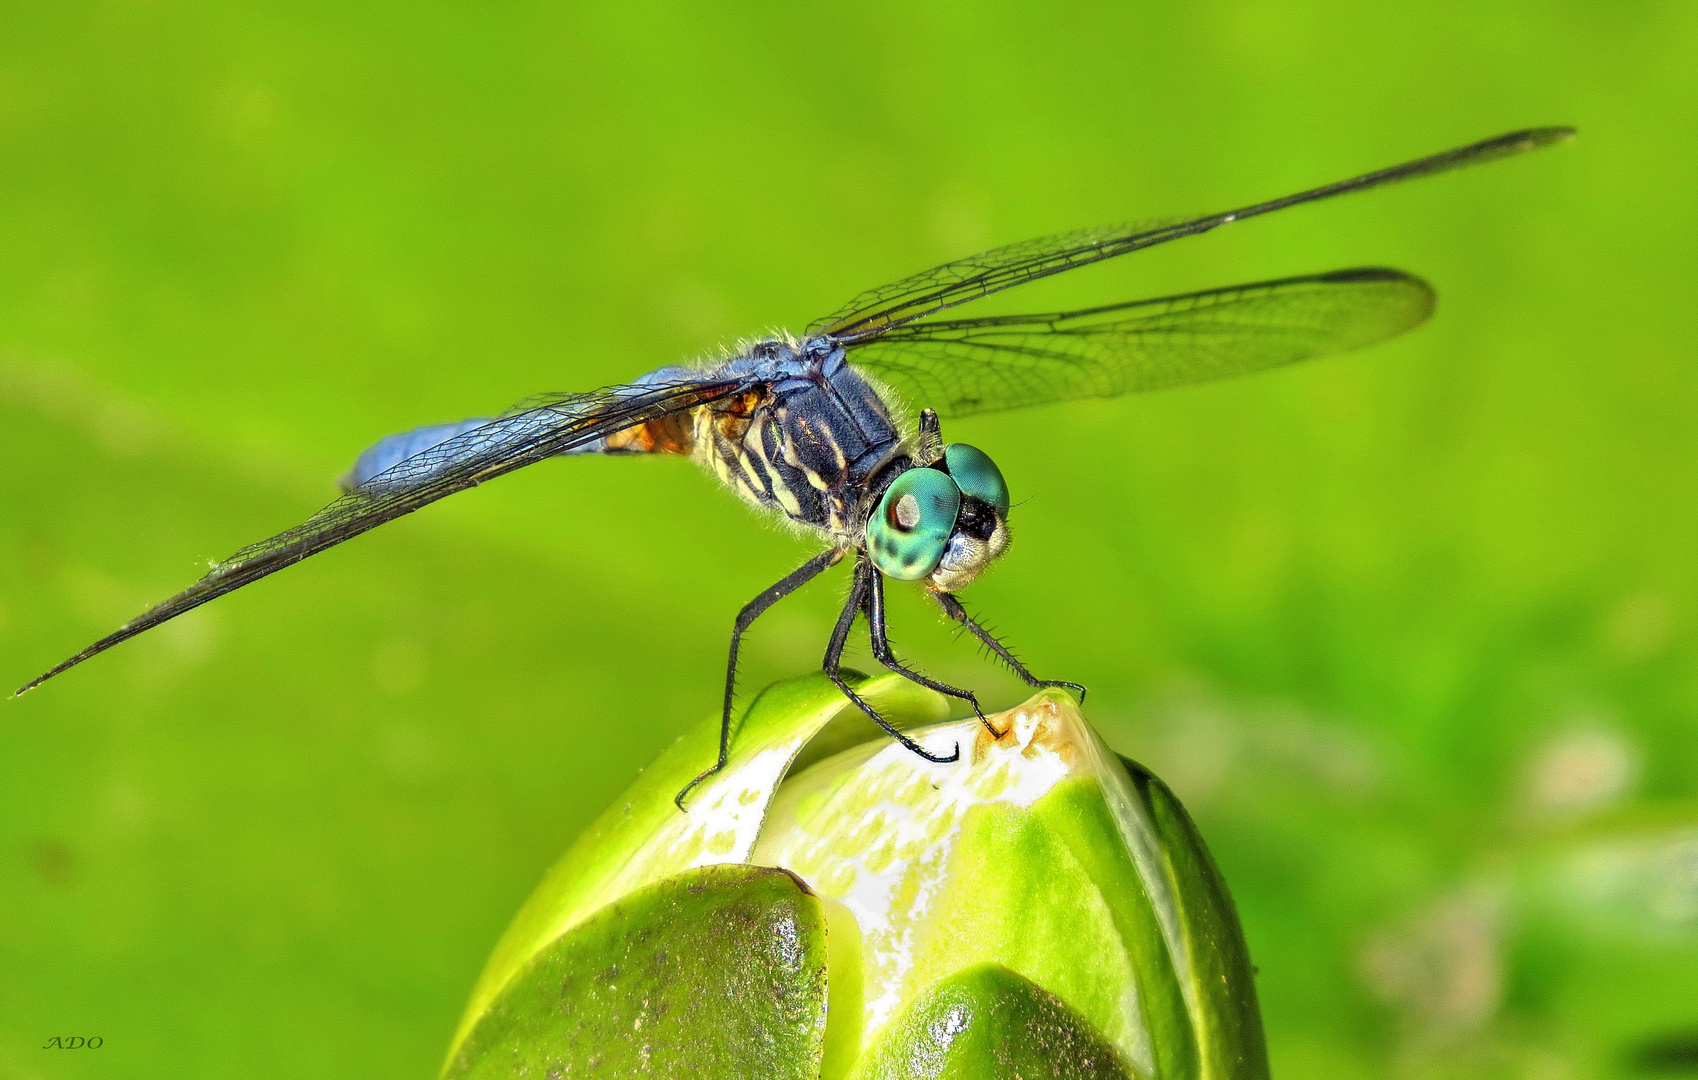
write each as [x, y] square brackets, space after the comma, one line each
[805, 443]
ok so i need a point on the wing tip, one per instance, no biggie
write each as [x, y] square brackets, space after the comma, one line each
[1359, 273]
[37, 681]
[1517, 142]
[117, 637]
[1421, 300]
[1425, 298]
[1545, 136]
[57, 669]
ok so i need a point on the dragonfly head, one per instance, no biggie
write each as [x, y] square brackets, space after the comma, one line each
[944, 522]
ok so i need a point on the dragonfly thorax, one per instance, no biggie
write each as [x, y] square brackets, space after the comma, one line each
[807, 441]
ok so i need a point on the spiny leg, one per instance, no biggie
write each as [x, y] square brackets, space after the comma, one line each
[834, 658]
[752, 611]
[881, 649]
[953, 606]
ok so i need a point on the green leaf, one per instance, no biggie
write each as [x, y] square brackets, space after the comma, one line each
[718, 972]
[643, 838]
[989, 1023]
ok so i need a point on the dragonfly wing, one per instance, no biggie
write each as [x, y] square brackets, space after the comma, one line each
[539, 428]
[386, 453]
[964, 366]
[879, 310]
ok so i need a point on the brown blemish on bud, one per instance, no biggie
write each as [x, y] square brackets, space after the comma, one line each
[1049, 733]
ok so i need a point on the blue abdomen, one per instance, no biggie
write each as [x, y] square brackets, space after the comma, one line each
[390, 452]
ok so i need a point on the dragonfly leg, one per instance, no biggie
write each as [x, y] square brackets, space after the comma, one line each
[874, 606]
[931, 438]
[745, 618]
[834, 657]
[955, 611]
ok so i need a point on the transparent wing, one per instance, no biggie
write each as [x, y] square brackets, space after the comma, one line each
[964, 366]
[877, 311]
[538, 428]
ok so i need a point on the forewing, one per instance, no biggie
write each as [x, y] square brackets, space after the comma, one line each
[879, 310]
[964, 366]
[538, 428]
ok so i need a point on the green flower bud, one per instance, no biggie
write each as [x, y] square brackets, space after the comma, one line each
[835, 906]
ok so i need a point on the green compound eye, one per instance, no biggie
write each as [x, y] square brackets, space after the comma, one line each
[977, 475]
[906, 535]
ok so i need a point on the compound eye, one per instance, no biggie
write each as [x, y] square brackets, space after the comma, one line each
[977, 475]
[906, 535]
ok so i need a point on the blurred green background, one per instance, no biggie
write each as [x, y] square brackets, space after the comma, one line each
[1411, 630]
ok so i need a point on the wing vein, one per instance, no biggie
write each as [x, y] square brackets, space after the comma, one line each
[960, 367]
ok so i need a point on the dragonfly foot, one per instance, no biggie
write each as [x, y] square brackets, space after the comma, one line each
[935, 759]
[678, 799]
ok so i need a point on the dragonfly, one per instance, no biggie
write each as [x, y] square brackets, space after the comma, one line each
[815, 429]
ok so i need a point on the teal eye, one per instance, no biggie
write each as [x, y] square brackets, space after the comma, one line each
[977, 475]
[906, 535]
